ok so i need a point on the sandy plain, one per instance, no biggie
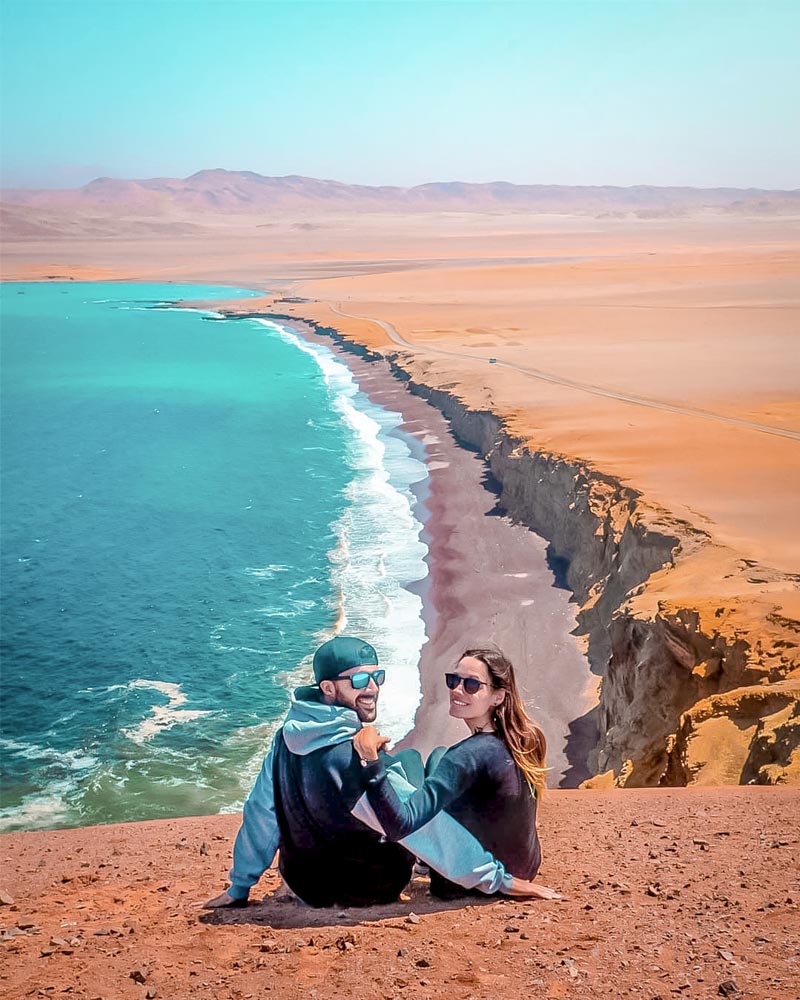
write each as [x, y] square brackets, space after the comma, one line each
[666, 350]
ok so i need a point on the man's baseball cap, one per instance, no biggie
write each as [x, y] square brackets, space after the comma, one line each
[341, 653]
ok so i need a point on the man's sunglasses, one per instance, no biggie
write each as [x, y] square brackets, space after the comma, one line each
[471, 684]
[363, 677]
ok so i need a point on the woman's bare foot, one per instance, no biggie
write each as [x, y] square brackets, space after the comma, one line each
[224, 899]
[521, 889]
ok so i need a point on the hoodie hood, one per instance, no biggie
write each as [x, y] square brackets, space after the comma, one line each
[311, 724]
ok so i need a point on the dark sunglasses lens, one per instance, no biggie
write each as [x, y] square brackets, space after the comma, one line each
[361, 680]
[471, 685]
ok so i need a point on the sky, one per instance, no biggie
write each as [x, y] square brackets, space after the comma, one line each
[666, 92]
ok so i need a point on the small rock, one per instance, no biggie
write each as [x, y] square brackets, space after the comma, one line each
[44, 952]
[138, 976]
[412, 918]
[6, 899]
[204, 848]
[422, 963]
[728, 988]
[725, 954]
[511, 929]
[653, 890]
[346, 942]
[151, 992]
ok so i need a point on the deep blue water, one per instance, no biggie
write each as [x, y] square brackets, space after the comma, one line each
[188, 507]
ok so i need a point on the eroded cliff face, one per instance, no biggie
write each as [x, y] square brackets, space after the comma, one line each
[698, 649]
[662, 660]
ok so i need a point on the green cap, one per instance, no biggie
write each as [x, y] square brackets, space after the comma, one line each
[341, 653]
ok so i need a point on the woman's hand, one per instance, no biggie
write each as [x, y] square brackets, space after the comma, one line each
[521, 889]
[368, 742]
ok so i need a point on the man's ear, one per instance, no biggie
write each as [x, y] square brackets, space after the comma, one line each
[328, 689]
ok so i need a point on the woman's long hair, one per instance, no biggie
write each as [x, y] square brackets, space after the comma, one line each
[524, 739]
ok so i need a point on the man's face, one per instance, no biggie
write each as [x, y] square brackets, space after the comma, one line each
[363, 702]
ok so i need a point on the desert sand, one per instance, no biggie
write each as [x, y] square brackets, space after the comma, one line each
[667, 893]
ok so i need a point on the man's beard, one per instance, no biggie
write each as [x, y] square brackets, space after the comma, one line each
[366, 710]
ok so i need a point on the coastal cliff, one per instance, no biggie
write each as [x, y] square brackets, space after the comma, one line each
[694, 690]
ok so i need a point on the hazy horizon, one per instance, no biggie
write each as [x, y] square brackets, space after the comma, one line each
[669, 93]
[335, 180]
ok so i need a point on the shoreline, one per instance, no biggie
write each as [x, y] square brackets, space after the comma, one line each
[480, 586]
[453, 498]
[694, 637]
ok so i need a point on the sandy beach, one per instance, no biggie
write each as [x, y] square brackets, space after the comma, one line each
[489, 582]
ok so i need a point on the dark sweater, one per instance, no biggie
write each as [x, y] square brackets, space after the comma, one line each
[478, 784]
[327, 856]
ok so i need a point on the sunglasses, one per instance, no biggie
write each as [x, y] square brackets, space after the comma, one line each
[471, 684]
[363, 677]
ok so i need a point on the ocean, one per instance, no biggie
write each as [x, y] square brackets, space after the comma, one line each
[190, 505]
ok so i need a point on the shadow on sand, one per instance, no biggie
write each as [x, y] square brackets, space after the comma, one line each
[282, 910]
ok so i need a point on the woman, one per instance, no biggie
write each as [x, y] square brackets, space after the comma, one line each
[490, 782]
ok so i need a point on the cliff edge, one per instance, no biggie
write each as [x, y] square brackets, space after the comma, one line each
[697, 648]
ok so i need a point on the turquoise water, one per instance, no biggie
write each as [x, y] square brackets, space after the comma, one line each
[189, 505]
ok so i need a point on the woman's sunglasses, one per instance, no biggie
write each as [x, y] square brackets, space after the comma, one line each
[471, 684]
[362, 678]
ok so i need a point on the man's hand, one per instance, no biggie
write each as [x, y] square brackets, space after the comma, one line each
[223, 900]
[368, 742]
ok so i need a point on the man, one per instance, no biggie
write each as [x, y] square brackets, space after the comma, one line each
[309, 793]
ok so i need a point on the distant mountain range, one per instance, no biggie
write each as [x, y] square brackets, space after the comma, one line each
[235, 192]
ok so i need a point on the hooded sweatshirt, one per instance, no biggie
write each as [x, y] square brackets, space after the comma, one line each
[309, 800]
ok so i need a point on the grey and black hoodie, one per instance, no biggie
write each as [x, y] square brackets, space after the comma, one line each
[309, 800]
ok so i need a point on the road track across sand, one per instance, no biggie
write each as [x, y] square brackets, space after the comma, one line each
[596, 390]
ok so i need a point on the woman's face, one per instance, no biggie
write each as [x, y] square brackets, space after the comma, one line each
[475, 709]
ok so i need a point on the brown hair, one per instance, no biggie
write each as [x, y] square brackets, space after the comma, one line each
[524, 739]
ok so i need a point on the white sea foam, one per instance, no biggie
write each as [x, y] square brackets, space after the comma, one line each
[49, 806]
[162, 717]
[40, 810]
[378, 551]
[266, 572]
[74, 760]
